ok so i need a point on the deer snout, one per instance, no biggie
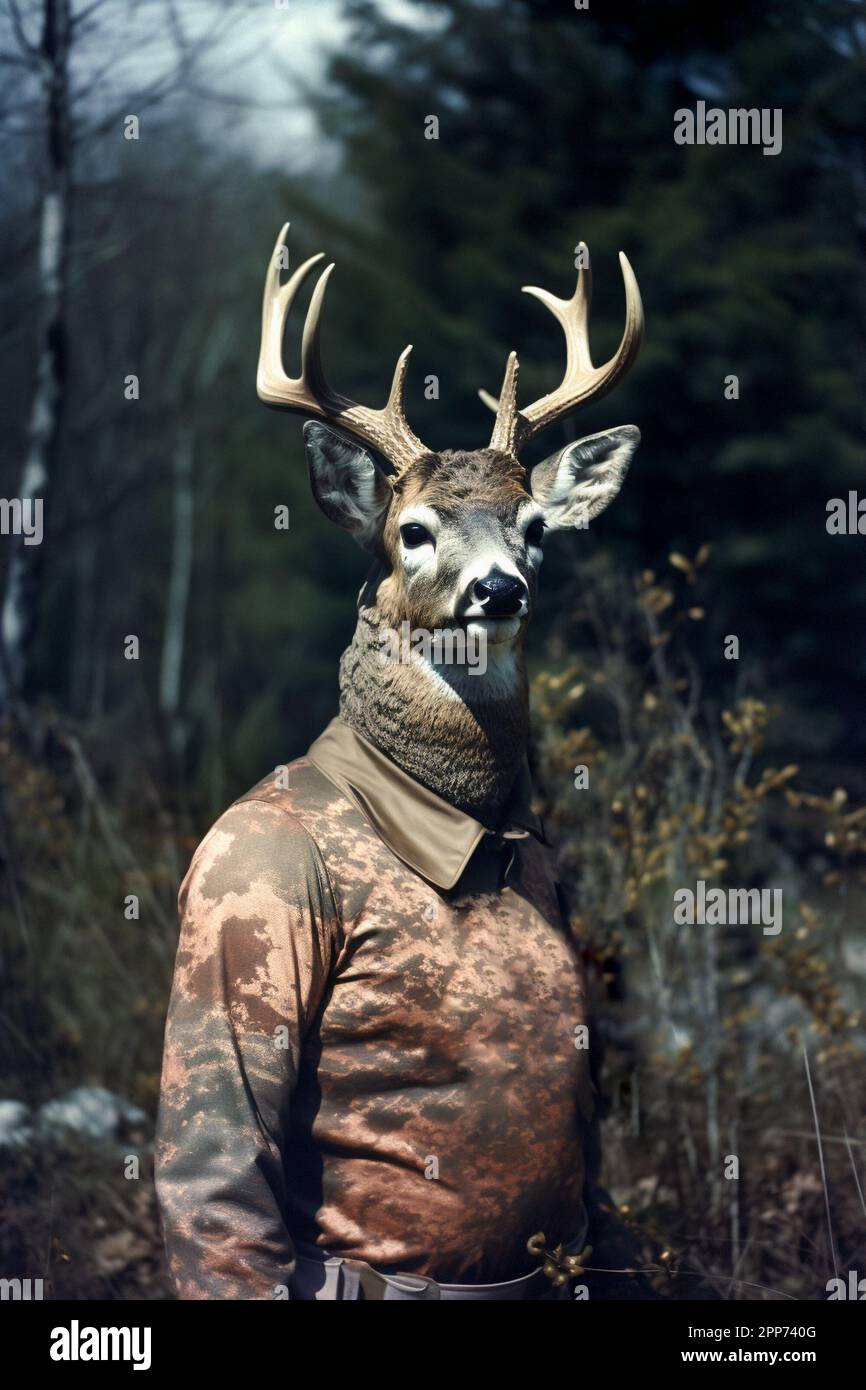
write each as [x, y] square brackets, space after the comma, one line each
[499, 595]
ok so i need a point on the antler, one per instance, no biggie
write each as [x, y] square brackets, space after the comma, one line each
[386, 429]
[582, 381]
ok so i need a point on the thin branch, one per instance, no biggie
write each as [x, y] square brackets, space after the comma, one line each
[24, 43]
[821, 1160]
[854, 1169]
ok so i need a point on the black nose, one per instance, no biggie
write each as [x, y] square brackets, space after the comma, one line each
[501, 594]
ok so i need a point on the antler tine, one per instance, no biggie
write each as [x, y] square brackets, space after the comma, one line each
[572, 315]
[504, 435]
[272, 383]
[311, 358]
[582, 381]
[387, 429]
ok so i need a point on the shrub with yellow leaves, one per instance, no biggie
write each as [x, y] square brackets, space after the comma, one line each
[706, 1025]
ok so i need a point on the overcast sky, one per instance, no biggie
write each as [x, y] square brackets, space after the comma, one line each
[264, 51]
[270, 54]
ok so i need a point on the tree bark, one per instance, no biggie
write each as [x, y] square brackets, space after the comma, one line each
[21, 598]
[180, 580]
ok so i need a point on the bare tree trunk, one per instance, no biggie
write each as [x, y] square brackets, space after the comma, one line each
[174, 631]
[21, 600]
[81, 656]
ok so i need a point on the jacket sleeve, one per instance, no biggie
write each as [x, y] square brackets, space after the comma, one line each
[258, 936]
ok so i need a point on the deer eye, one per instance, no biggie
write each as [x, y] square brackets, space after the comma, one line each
[414, 534]
[535, 532]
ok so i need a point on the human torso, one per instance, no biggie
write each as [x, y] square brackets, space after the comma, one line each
[443, 1091]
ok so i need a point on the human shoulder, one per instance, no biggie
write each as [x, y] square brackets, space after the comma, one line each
[265, 842]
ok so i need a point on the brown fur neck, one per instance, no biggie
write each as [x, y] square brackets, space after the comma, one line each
[464, 739]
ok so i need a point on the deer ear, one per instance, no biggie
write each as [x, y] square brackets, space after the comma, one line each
[578, 482]
[346, 483]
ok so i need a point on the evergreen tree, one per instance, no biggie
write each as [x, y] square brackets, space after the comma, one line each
[555, 125]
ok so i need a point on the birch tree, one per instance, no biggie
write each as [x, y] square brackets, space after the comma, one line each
[73, 82]
[48, 59]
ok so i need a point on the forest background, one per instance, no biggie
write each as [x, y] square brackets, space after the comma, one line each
[132, 258]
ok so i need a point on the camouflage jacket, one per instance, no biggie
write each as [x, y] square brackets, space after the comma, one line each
[373, 1040]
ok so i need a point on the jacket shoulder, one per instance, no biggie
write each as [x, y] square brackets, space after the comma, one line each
[351, 850]
[260, 846]
[296, 789]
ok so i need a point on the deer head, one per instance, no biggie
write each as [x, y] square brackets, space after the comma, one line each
[459, 535]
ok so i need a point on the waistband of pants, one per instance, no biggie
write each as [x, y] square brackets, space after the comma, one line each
[322, 1277]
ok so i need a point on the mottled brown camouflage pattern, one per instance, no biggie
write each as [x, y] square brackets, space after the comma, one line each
[421, 1025]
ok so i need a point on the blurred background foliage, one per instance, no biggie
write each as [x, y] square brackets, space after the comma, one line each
[555, 125]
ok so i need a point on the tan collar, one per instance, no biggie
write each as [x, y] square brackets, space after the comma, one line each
[427, 833]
